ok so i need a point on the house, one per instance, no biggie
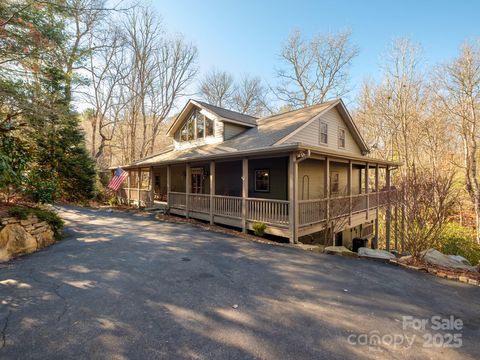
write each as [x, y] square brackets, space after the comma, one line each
[299, 172]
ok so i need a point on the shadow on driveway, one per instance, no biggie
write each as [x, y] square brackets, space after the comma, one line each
[128, 286]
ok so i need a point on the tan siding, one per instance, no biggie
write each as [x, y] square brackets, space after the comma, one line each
[231, 130]
[311, 134]
[311, 178]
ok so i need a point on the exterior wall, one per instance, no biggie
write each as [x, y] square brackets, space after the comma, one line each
[231, 130]
[228, 176]
[177, 178]
[311, 178]
[311, 134]
[278, 178]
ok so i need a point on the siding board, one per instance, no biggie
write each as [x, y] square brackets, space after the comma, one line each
[310, 135]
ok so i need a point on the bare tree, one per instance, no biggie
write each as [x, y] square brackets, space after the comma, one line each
[250, 97]
[107, 73]
[218, 88]
[428, 201]
[316, 70]
[458, 87]
[392, 112]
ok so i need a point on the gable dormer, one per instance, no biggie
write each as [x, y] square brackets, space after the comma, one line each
[200, 123]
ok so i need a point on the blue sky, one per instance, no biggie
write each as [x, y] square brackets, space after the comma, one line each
[246, 36]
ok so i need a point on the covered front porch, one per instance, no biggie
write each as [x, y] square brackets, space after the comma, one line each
[294, 194]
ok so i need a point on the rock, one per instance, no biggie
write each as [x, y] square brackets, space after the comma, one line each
[376, 254]
[473, 282]
[25, 222]
[39, 230]
[341, 250]
[14, 240]
[435, 257]
[460, 259]
[463, 279]
[46, 238]
[41, 224]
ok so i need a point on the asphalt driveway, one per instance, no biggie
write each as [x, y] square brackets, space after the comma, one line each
[126, 286]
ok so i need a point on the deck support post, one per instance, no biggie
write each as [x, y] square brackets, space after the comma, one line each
[212, 188]
[367, 196]
[139, 182]
[349, 186]
[152, 187]
[128, 187]
[188, 187]
[293, 209]
[244, 193]
[388, 212]
[326, 190]
[168, 184]
[376, 208]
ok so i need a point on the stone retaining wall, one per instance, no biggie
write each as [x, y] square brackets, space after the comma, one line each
[18, 237]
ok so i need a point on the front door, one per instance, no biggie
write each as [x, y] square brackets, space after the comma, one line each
[197, 181]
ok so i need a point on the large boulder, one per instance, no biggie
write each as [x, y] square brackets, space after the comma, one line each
[14, 241]
[435, 257]
[375, 254]
[340, 250]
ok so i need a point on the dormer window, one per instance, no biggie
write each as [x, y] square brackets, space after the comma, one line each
[197, 126]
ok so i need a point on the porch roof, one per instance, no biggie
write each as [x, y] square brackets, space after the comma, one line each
[222, 151]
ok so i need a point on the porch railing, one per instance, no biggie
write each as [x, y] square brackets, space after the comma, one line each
[199, 202]
[276, 212]
[267, 210]
[177, 200]
[230, 206]
[312, 211]
[315, 211]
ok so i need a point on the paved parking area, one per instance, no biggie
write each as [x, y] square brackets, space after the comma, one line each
[128, 286]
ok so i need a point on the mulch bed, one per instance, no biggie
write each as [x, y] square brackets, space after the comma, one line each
[4, 207]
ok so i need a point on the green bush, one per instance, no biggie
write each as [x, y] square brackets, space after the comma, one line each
[460, 240]
[49, 217]
[113, 201]
[259, 228]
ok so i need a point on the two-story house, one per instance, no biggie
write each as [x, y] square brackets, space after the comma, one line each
[299, 172]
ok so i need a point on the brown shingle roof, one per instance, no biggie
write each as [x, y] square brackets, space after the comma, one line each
[268, 131]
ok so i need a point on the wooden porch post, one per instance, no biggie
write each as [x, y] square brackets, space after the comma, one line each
[138, 187]
[128, 187]
[212, 188]
[168, 185]
[152, 187]
[376, 209]
[291, 199]
[388, 212]
[349, 185]
[366, 191]
[188, 185]
[244, 193]
[326, 183]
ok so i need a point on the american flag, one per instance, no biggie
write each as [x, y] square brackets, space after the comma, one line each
[117, 179]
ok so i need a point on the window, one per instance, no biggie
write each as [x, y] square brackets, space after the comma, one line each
[334, 182]
[208, 127]
[200, 126]
[323, 133]
[262, 180]
[197, 126]
[191, 129]
[183, 134]
[341, 138]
